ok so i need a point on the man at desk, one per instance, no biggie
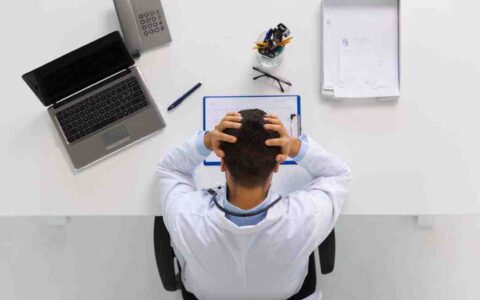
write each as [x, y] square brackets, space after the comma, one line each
[244, 241]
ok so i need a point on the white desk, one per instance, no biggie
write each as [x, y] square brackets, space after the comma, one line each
[420, 155]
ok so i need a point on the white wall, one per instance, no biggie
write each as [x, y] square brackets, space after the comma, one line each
[112, 258]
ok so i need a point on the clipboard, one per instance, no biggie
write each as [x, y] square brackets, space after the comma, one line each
[286, 107]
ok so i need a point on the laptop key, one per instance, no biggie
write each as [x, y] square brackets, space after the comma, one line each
[102, 109]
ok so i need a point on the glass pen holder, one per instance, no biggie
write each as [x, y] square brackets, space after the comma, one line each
[274, 59]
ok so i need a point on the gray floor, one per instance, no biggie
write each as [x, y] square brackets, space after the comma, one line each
[112, 258]
[90, 258]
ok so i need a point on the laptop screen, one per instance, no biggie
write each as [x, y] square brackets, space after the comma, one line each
[79, 69]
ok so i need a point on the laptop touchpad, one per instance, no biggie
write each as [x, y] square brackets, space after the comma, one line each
[115, 137]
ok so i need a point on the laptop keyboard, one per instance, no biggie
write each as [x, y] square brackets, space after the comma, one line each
[102, 109]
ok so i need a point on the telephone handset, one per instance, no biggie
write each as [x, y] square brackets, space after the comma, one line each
[143, 24]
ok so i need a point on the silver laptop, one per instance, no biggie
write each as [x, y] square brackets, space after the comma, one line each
[97, 99]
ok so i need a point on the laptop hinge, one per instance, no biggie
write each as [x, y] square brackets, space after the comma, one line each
[90, 88]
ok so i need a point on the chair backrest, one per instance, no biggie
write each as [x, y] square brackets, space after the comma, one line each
[164, 256]
[326, 252]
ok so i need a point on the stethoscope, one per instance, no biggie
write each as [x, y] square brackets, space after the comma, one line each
[266, 208]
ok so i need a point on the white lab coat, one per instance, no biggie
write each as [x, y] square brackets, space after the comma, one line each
[221, 260]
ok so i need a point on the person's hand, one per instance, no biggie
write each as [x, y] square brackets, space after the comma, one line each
[213, 138]
[290, 146]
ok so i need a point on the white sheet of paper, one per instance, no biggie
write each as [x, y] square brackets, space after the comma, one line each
[357, 62]
[285, 107]
[360, 46]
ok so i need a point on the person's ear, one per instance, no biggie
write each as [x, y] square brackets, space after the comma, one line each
[222, 165]
[276, 168]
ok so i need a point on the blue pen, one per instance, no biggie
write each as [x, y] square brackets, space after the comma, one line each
[180, 100]
[268, 35]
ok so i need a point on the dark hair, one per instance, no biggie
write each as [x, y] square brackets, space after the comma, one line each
[249, 160]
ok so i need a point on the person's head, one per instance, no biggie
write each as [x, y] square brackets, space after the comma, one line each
[249, 162]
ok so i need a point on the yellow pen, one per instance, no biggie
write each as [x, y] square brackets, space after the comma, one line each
[286, 41]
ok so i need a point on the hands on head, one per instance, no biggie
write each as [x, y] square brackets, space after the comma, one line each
[290, 146]
[213, 138]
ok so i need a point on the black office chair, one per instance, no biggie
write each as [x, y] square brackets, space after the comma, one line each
[171, 280]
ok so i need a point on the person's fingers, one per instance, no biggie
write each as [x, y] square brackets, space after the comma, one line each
[273, 121]
[271, 116]
[277, 142]
[233, 113]
[219, 152]
[275, 127]
[227, 124]
[281, 158]
[224, 137]
[233, 118]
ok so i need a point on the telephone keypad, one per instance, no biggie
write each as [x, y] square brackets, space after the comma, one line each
[151, 22]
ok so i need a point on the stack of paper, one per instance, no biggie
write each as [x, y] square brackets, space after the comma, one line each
[360, 48]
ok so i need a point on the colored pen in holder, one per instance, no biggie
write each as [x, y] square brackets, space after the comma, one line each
[271, 44]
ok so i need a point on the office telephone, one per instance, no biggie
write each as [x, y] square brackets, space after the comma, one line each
[143, 24]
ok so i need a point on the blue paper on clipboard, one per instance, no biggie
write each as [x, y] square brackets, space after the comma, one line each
[286, 107]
